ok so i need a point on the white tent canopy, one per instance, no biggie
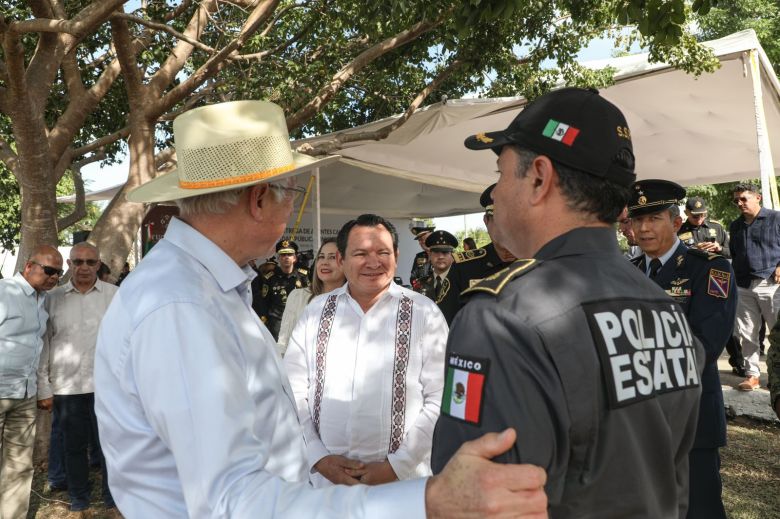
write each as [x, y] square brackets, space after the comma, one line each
[709, 129]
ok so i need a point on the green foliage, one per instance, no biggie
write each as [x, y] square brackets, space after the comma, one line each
[10, 210]
[763, 16]
[479, 234]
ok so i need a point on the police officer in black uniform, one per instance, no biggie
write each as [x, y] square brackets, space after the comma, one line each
[703, 284]
[591, 362]
[421, 267]
[701, 232]
[438, 286]
[269, 292]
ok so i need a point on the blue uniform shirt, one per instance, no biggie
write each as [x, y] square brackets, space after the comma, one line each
[755, 248]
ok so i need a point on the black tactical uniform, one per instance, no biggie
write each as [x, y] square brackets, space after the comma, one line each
[561, 362]
[590, 362]
[269, 292]
[421, 267]
[708, 231]
[704, 285]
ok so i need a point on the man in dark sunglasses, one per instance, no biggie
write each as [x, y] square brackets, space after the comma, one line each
[755, 254]
[22, 325]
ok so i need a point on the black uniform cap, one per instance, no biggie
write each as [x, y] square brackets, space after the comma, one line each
[441, 241]
[696, 205]
[574, 126]
[286, 247]
[652, 196]
[418, 226]
[486, 199]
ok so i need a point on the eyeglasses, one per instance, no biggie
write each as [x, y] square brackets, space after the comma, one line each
[741, 199]
[79, 262]
[49, 271]
[290, 193]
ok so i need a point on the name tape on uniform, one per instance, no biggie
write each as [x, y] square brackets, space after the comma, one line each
[464, 386]
[645, 348]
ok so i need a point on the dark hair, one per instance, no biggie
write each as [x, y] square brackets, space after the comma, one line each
[364, 220]
[470, 242]
[317, 287]
[746, 186]
[584, 192]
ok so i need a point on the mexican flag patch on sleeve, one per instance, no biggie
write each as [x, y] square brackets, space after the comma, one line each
[464, 387]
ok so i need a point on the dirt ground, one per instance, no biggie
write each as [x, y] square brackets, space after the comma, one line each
[750, 469]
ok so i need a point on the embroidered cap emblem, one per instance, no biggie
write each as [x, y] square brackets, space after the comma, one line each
[481, 137]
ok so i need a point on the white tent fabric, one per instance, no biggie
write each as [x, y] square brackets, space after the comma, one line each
[687, 129]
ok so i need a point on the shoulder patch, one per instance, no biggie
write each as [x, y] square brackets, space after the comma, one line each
[464, 386]
[719, 283]
[494, 283]
[709, 256]
[303, 271]
[469, 255]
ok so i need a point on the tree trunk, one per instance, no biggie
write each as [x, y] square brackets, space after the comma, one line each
[39, 206]
[116, 229]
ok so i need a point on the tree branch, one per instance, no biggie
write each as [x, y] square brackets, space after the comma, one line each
[102, 142]
[258, 56]
[80, 210]
[183, 6]
[183, 49]
[72, 75]
[361, 61]
[8, 156]
[164, 28]
[216, 62]
[338, 141]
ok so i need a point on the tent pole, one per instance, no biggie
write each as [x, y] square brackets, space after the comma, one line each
[766, 166]
[316, 213]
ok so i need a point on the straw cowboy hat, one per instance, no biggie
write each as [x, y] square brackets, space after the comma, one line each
[227, 146]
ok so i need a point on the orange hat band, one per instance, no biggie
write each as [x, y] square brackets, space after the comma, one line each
[261, 175]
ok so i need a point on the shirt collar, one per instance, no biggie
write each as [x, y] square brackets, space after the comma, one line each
[226, 272]
[26, 286]
[70, 287]
[443, 275]
[667, 255]
[393, 291]
[581, 240]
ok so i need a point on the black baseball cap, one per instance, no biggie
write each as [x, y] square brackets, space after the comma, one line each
[652, 196]
[696, 205]
[573, 126]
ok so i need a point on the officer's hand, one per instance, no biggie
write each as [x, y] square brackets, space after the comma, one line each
[46, 404]
[709, 246]
[334, 469]
[375, 473]
[472, 486]
[777, 275]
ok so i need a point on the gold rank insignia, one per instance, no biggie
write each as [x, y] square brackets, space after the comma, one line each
[697, 205]
[642, 200]
[680, 259]
[285, 243]
[481, 137]
[679, 281]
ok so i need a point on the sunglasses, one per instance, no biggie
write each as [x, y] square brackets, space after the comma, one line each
[49, 271]
[79, 262]
[741, 199]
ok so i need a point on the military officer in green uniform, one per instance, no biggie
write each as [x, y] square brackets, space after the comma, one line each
[703, 284]
[590, 361]
[269, 292]
[437, 286]
[701, 232]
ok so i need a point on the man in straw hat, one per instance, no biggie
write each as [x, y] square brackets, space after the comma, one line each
[196, 415]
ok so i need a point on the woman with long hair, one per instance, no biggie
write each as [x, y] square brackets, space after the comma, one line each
[327, 276]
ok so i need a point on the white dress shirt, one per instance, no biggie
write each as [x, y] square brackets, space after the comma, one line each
[22, 324]
[362, 358]
[195, 413]
[296, 302]
[68, 356]
[663, 258]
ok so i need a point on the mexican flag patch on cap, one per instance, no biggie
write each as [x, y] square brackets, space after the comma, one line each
[464, 387]
[560, 132]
